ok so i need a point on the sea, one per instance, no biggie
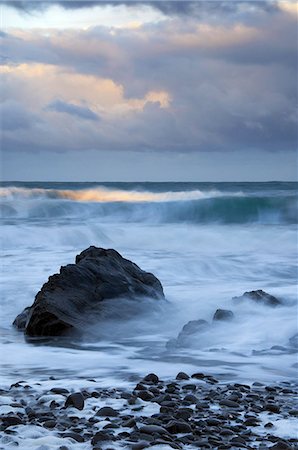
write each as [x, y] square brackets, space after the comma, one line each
[206, 242]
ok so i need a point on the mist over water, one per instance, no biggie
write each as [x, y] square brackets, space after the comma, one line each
[206, 242]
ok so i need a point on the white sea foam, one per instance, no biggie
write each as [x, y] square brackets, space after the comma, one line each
[201, 265]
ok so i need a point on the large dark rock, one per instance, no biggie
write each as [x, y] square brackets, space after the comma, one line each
[83, 291]
[259, 296]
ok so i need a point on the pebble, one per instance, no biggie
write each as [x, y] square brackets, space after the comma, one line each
[182, 376]
[107, 411]
[76, 400]
[182, 415]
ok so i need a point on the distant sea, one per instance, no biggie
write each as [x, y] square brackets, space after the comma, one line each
[206, 242]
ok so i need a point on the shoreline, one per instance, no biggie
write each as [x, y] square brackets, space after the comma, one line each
[189, 412]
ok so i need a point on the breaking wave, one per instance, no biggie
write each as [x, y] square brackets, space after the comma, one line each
[193, 206]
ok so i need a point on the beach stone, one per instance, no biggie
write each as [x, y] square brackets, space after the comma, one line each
[145, 395]
[259, 296]
[130, 423]
[213, 422]
[151, 377]
[49, 424]
[272, 408]
[58, 390]
[153, 429]
[87, 286]
[182, 376]
[189, 387]
[177, 426]
[223, 314]
[76, 400]
[101, 436]
[229, 403]
[198, 375]
[11, 420]
[107, 411]
[140, 445]
[77, 437]
[184, 413]
[192, 399]
[281, 445]
[159, 442]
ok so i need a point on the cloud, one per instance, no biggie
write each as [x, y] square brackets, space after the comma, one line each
[72, 109]
[167, 7]
[14, 116]
[180, 85]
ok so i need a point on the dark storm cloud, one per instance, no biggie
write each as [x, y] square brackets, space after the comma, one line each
[167, 7]
[74, 110]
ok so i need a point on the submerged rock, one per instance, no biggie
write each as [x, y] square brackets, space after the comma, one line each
[189, 329]
[259, 296]
[80, 293]
[223, 314]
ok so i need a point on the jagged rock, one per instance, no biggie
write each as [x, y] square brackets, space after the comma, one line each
[82, 292]
[259, 296]
[223, 314]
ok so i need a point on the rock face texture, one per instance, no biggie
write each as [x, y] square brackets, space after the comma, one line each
[260, 296]
[78, 294]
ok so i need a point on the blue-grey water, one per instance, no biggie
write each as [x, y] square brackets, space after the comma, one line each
[206, 242]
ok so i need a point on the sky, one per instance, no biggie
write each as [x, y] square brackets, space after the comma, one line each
[148, 90]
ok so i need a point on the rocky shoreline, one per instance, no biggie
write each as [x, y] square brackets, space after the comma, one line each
[191, 412]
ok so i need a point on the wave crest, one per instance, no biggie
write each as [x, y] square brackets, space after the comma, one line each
[193, 206]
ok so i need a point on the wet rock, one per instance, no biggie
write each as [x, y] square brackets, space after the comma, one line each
[101, 436]
[192, 399]
[140, 445]
[280, 445]
[130, 423]
[77, 437]
[184, 413]
[259, 296]
[272, 408]
[76, 400]
[229, 403]
[182, 376]
[107, 411]
[11, 420]
[20, 321]
[198, 376]
[58, 390]
[153, 429]
[76, 296]
[223, 314]
[151, 377]
[177, 426]
[145, 395]
[49, 424]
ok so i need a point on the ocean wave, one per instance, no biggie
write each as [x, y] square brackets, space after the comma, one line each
[104, 195]
[104, 204]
